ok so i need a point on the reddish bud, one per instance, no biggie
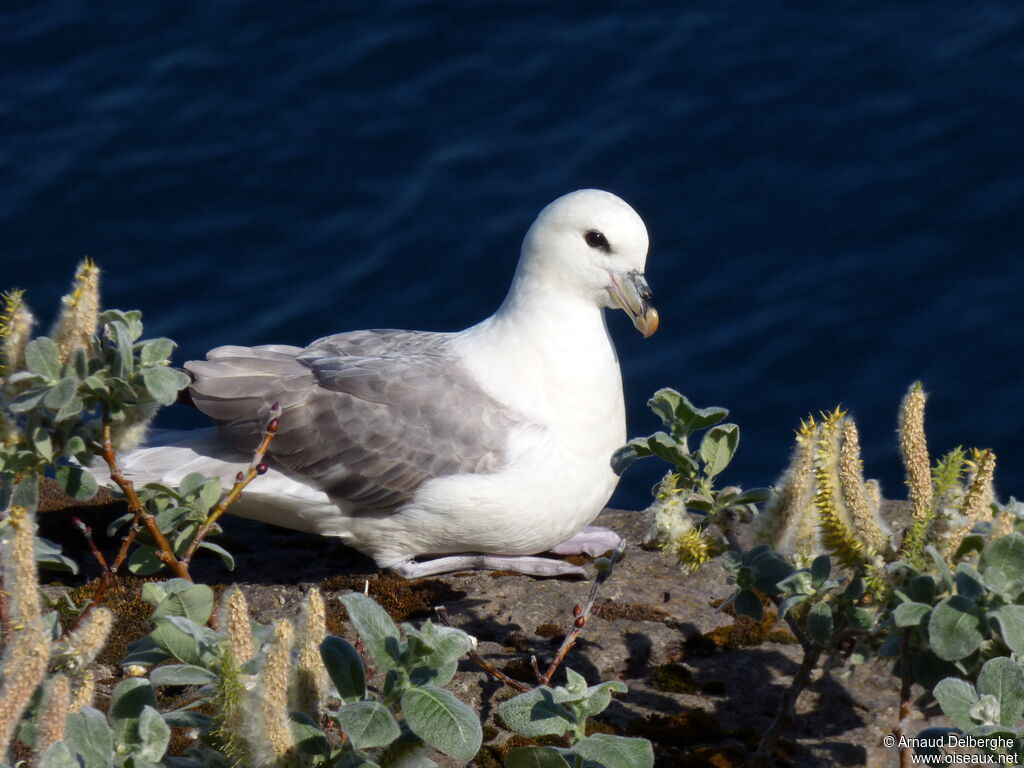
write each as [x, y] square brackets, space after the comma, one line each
[596, 610]
[580, 621]
[273, 425]
[577, 610]
[239, 477]
[262, 467]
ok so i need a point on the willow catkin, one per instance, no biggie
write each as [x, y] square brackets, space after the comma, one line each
[914, 447]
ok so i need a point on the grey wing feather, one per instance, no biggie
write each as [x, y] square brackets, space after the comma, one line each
[367, 416]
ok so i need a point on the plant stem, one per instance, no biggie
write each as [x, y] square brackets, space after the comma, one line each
[480, 661]
[256, 467]
[164, 550]
[788, 704]
[581, 617]
[906, 684]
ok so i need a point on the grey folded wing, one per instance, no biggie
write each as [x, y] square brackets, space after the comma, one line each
[366, 416]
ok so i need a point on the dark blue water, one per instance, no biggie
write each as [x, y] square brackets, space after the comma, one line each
[834, 193]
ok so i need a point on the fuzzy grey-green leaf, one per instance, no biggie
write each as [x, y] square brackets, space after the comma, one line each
[156, 351]
[1010, 620]
[90, 736]
[534, 757]
[344, 667]
[76, 482]
[154, 735]
[718, 447]
[164, 383]
[910, 614]
[42, 357]
[441, 720]
[374, 627]
[58, 756]
[61, 393]
[1003, 678]
[819, 623]
[536, 713]
[368, 724]
[956, 697]
[1007, 554]
[194, 603]
[615, 751]
[955, 628]
[181, 674]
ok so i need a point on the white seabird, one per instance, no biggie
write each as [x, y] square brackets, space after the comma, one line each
[481, 448]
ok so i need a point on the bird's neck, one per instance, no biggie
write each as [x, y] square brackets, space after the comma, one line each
[541, 348]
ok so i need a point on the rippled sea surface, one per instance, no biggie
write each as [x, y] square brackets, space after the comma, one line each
[834, 193]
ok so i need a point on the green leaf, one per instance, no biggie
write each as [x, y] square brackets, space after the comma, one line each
[600, 696]
[182, 645]
[665, 447]
[441, 720]
[194, 603]
[27, 400]
[308, 736]
[89, 735]
[42, 443]
[70, 410]
[124, 360]
[1004, 678]
[58, 756]
[718, 447]
[957, 697]
[374, 626]
[753, 496]
[821, 569]
[127, 704]
[227, 557]
[163, 383]
[155, 351]
[910, 614]
[747, 603]
[1007, 554]
[49, 555]
[968, 581]
[440, 649]
[368, 724]
[154, 735]
[955, 628]
[534, 757]
[345, 668]
[615, 751]
[61, 393]
[42, 357]
[192, 482]
[76, 482]
[209, 494]
[181, 674]
[1010, 619]
[819, 623]
[144, 562]
[26, 492]
[664, 403]
[536, 713]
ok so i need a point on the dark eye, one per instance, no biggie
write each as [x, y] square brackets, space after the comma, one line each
[596, 240]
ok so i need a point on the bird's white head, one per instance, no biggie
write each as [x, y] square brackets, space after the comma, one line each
[592, 244]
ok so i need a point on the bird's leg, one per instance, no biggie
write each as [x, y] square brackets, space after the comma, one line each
[592, 540]
[531, 566]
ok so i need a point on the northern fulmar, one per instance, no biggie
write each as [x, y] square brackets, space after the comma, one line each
[480, 448]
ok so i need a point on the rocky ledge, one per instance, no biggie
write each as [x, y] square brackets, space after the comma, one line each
[703, 685]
